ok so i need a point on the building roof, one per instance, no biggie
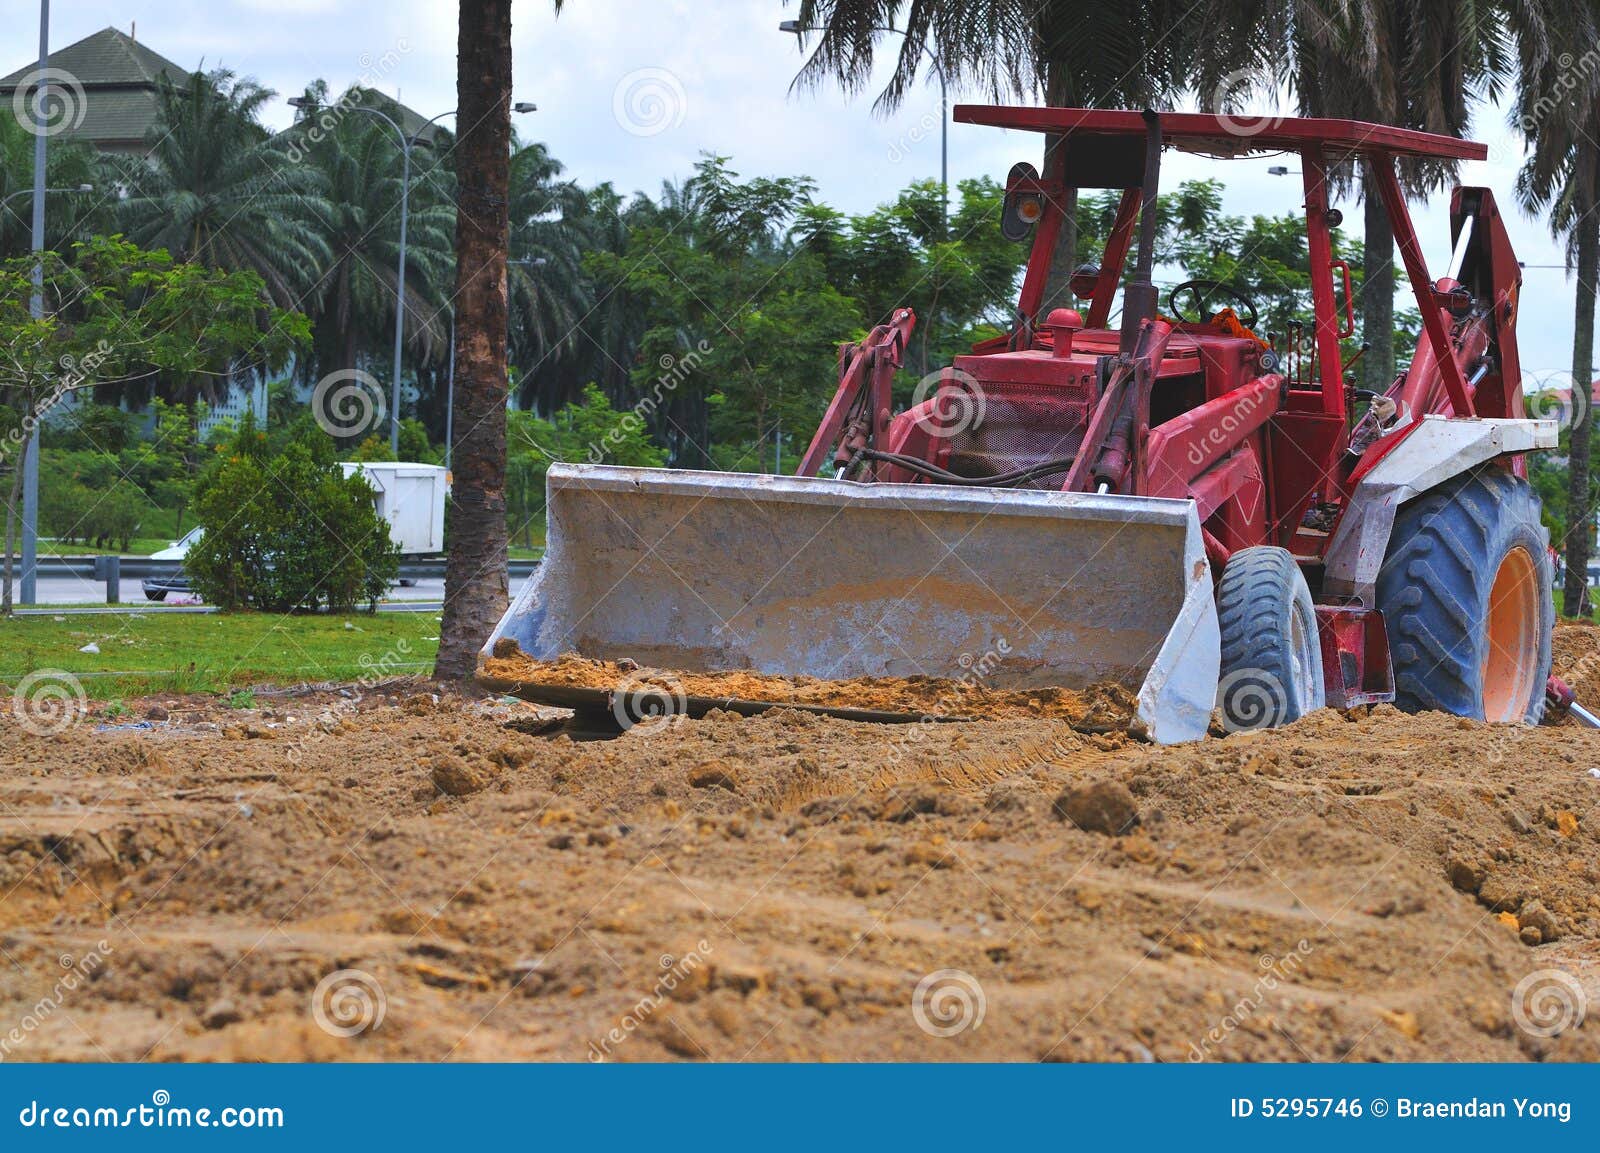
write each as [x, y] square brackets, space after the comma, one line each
[1229, 135]
[119, 77]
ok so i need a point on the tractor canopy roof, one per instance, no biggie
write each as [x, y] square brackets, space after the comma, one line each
[1229, 135]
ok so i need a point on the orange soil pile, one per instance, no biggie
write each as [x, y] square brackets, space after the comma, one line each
[1575, 658]
[1105, 705]
[1352, 887]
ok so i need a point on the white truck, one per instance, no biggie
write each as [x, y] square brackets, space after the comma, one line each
[409, 496]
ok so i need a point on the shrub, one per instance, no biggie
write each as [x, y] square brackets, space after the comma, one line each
[288, 531]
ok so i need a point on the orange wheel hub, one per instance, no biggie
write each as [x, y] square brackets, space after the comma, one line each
[1512, 650]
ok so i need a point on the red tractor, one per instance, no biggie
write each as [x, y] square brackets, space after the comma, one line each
[1211, 515]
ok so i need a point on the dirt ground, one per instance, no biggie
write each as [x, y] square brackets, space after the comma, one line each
[398, 875]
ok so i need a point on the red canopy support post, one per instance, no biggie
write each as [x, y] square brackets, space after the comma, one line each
[1381, 164]
[1319, 249]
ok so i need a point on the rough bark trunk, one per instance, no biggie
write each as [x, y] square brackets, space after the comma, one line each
[1377, 291]
[475, 592]
[1580, 507]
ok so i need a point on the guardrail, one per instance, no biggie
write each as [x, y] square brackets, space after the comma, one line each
[136, 567]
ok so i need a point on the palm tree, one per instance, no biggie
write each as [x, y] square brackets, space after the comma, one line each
[1558, 110]
[1074, 54]
[475, 583]
[352, 302]
[67, 217]
[551, 227]
[214, 190]
[1412, 65]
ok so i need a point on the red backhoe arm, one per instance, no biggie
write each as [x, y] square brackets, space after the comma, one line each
[860, 410]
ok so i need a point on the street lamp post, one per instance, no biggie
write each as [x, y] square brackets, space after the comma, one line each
[29, 584]
[406, 144]
[799, 29]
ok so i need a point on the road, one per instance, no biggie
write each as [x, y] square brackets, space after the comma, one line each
[72, 590]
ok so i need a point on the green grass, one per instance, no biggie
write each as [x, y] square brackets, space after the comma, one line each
[138, 546]
[143, 654]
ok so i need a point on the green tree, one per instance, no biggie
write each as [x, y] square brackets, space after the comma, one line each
[115, 312]
[215, 191]
[357, 216]
[288, 531]
[742, 323]
[68, 217]
[1558, 111]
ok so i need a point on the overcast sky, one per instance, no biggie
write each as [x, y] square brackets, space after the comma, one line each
[632, 91]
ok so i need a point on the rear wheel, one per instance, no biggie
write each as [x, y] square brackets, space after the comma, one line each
[1466, 593]
[1271, 656]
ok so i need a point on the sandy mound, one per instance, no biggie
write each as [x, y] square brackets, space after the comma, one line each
[791, 886]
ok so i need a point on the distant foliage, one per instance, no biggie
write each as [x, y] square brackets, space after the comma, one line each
[288, 531]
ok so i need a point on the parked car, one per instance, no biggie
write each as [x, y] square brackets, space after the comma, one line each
[156, 588]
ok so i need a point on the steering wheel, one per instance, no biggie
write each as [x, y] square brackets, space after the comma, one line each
[1199, 297]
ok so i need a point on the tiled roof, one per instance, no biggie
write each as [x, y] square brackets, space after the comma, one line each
[119, 76]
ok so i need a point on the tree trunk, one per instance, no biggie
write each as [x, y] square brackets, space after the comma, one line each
[1580, 507]
[475, 593]
[1377, 290]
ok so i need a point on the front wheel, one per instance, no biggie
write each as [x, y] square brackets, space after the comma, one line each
[1271, 654]
[1466, 592]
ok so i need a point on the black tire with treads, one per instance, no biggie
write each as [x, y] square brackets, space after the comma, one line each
[1261, 596]
[1446, 547]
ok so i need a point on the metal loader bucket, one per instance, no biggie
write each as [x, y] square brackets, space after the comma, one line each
[836, 579]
